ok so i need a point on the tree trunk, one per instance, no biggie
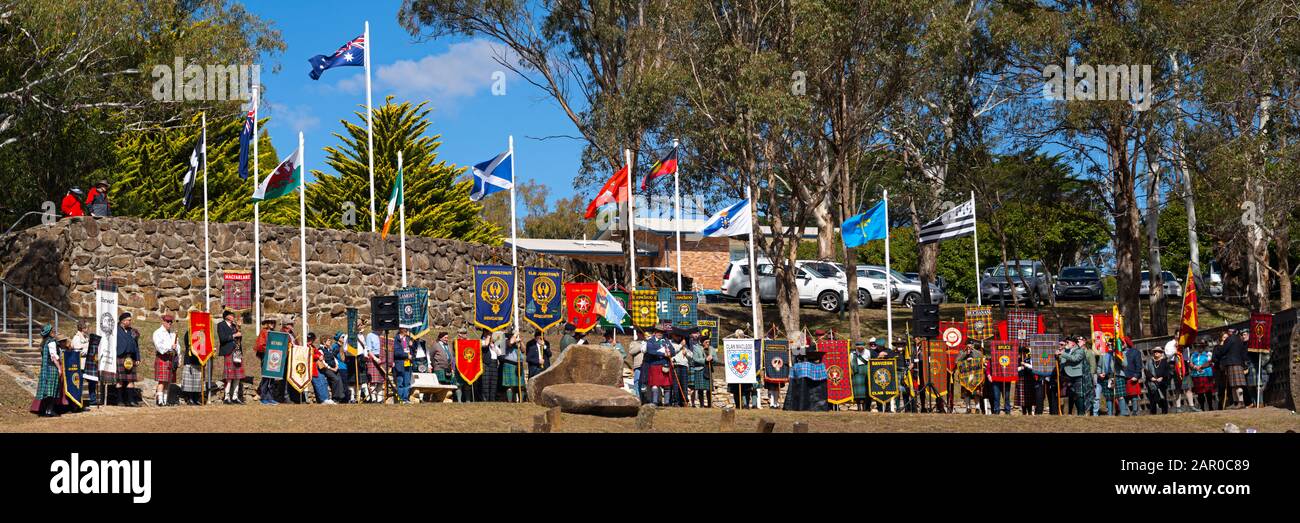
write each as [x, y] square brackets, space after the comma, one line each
[1128, 270]
[850, 254]
[787, 292]
[1180, 159]
[1282, 240]
[1257, 262]
[1159, 314]
[824, 213]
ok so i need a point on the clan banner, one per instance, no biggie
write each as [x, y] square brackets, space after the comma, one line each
[1042, 353]
[413, 309]
[469, 359]
[645, 308]
[776, 361]
[201, 336]
[710, 329]
[936, 365]
[979, 322]
[882, 382]
[970, 374]
[580, 299]
[237, 290]
[72, 376]
[738, 356]
[1103, 330]
[106, 325]
[953, 334]
[1261, 332]
[299, 367]
[543, 296]
[494, 296]
[277, 355]
[1021, 324]
[1003, 361]
[685, 310]
[839, 379]
[353, 340]
[621, 297]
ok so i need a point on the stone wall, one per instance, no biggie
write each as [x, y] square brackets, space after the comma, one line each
[159, 266]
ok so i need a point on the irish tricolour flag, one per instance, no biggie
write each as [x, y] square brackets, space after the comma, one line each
[283, 180]
[393, 202]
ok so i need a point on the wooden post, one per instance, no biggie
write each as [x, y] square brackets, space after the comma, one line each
[645, 417]
[540, 425]
[553, 418]
[765, 426]
[727, 423]
[800, 427]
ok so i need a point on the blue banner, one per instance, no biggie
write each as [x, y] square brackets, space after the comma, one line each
[664, 304]
[684, 310]
[543, 297]
[72, 376]
[494, 296]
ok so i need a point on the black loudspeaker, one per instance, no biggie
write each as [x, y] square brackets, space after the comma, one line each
[383, 312]
[925, 321]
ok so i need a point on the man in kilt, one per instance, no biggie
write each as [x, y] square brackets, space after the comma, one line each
[655, 367]
[230, 343]
[1111, 382]
[1132, 372]
[47, 386]
[1231, 359]
[166, 348]
[128, 361]
[267, 385]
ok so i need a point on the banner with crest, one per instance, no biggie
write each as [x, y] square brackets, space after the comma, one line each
[299, 368]
[776, 361]
[970, 374]
[543, 297]
[106, 324]
[685, 310]
[469, 359]
[839, 378]
[1042, 353]
[739, 360]
[710, 329]
[201, 336]
[663, 303]
[1021, 324]
[237, 290]
[882, 379]
[1003, 361]
[644, 308]
[580, 299]
[277, 355]
[353, 342]
[979, 322]
[1103, 330]
[1261, 332]
[72, 377]
[494, 297]
[936, 366]
[413, 309]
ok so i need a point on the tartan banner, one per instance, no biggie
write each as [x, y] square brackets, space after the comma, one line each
[621, 297]
[645, 308]
[710, 329]
[1003, 360]
[1103, 330]
[1042, 353]
[1021, 324]
[353, 341]
[839, 379]
[237, 290]
[277, 355]
[413, 309]
[72, 377]
[979, 322]
[936, 365]
[580, 299]
[970, 374]
[1261, 332]
[882, 382]
[494, 296]
[776, 361]
[201, 336]
[299, 369]
[469, 359]
[543, 297]
[738, 356]
[685, 310]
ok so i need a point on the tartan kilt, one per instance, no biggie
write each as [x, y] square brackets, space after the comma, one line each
[124, 375]
[1234, 375]
[48, 384]
[1111, 388]
[509, 375]
[162, 369]
[656, 377]
[1202, 385]
[372, 372]
[234, 371]
[192, 379]
[699, 379]
[491, 377]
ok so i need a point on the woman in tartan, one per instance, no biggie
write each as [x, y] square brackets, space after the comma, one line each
[512, 378]
[1202, 371]
[699, 361]
[191, 374]
[47, 387]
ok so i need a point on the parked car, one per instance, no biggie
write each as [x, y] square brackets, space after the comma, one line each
[916, 276]
[826, 293]
[1079, 282]
[869, 293]
[1173, 288]
[1215, 280]
[1027, 279]
[905, 291]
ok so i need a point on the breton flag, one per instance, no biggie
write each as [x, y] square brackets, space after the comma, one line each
[957, 222]
[664, 167]
[283, 180]
[862, 228]
[198, 157]
[492, 176]
[398, 197]
[245, 138]
[735, 220]
[352, 53]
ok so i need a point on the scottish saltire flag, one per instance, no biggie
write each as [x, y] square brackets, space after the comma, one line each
[614, 312]
[494, 175]
[399, 190]
[352, 53]
[732, 221]
[283, 180]
[664, 167]
[957, 222]
[245, 138]
[862, 228]
[198, 157]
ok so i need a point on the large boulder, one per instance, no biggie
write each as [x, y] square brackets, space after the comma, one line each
[590, 399]
[594, 364]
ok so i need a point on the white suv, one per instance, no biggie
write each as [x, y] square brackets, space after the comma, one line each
[826, 293]
[870, 293]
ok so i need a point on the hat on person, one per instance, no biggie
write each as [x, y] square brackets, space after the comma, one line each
[60, 337]
[569, 327]
[75, 190]
[168, 317]
[123, 316]
[46, 329]
[268, 321]
[738, 334]
[872, 341]
[102, 183]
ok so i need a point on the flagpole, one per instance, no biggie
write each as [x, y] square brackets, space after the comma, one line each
[257, 226]
[677, 215]
[302, 234]
[401, 206]
[207, 258]
[631, 217]
[889, 278]
[370, 135]
[753, 266]
[514, 240]
[979, 299]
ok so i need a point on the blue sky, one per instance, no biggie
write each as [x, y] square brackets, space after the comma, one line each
[455, 76]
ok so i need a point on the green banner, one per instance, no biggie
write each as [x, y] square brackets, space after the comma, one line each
[277, 355]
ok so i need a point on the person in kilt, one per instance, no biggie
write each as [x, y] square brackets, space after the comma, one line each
[512, 378]
[699, 375]
[1202, 371]
[655, 368]
[1074, 366]
[1111, 383]
[1132, 375]
[166, 348]
[230, 343]
[191, 373]
[47, 386]
[128, 361]
[440, 358]
[1231, 357]
[858, 365]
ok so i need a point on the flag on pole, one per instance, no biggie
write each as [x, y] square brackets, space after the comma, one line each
[284, 180]
[735, 220]
[862, 228]
[245, 138]
[1187, 331]
[613, 310]
[957, 222]
[614, 191]
[664, 167]
[399, 194]
[352, 53]
[198, 157]
[494, 175]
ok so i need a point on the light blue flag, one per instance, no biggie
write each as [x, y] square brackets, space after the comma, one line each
[862, 228]
[735, 220]
[494, 175]
[614, 311]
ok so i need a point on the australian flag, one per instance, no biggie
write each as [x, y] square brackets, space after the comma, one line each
[352, 53]
[245, 138]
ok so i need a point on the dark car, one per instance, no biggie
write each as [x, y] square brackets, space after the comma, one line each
[1079, 282]
[1027, 280]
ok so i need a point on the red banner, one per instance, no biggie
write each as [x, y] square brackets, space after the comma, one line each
[469, 359]
[1261, 332]
[580, 302]
[201, 336]
[1003, 362]
[1187, 329]
[839, 380]
[953, 334]
[1103, 330]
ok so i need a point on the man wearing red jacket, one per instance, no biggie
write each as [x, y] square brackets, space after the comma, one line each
[71, 205]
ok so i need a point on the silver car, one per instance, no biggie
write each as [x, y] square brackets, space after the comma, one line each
[826, 293]
[905, 291]
[1172, 287]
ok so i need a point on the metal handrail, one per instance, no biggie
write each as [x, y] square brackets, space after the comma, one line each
[29, 213]
[4, 320]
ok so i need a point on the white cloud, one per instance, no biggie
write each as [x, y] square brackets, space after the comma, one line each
[464, 70]
[296, 117]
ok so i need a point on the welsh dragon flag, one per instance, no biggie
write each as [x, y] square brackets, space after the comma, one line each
[283, 180]
[395, 200]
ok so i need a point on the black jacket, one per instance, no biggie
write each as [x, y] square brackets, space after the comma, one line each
[225, 338]
[1232, 352]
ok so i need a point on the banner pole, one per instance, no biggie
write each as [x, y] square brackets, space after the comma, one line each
[370, 133]
[257, 225]
[207, 258]
[631, 217]
[514, 262]
[302, 222]
[754, 294]
[677, 215]
[979, 299]
[889, 278]
[402, 214]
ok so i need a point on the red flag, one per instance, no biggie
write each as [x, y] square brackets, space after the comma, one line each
[580, 302]
[839, 381]
[1187, 331]
[201, 336]
[614, 191]
[469, 359]
[1103, 330]
[664, 167]
[1261, 329]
